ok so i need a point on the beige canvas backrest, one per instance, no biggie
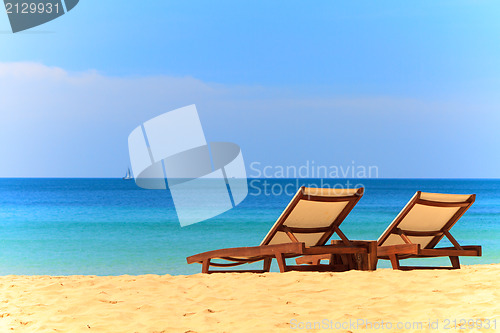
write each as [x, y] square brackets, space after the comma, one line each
[426, 218]
[313, 216]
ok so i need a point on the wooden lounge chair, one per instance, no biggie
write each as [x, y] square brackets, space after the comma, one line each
[418, 228]
[303, 228]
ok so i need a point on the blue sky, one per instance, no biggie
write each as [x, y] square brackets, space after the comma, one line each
[410, 87]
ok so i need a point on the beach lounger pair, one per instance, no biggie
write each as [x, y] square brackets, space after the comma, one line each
[314, 215]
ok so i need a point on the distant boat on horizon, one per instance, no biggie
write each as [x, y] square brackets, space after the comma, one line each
[128, 176]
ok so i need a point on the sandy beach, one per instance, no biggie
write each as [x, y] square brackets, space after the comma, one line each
[352, 301]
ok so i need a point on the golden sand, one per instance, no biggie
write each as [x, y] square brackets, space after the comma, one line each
[272, 302]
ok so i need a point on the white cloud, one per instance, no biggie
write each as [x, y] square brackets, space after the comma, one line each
[61, 124]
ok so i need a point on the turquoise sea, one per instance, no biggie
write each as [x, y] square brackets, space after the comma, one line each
[112, 227]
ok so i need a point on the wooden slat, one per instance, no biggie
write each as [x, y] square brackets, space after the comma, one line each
[341, 235]
[353, 243]
[334, 249]
[405, 238]
[254, 251]
[289, 233]
[309, 259]
[321, 198]
[249, 259]
[441, 203]
[452, 240]
[317, 268]
[233, 264]
[312, 230]
[384, 251]
[477, 248]
[238, 271]
[409, 268]
[418, 233]
[447, 252]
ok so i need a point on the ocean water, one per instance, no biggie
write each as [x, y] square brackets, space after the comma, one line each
[112, 227]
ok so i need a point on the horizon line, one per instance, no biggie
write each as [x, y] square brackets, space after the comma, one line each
[250, 178]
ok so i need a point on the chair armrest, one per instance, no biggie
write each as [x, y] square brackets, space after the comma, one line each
[384, 251]
[252, 251]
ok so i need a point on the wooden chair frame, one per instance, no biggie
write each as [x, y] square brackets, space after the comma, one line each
[295, 248]
[364, 259]
[394, 253]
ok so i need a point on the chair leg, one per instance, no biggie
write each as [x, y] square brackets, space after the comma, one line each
[394, 261]
[455, 262]
[363, 261]
[267, 264]
[280, 258]
[372, 256]
[205, 266]
[360, 261]
[354, 263]
[334, 259]
[345, 260]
